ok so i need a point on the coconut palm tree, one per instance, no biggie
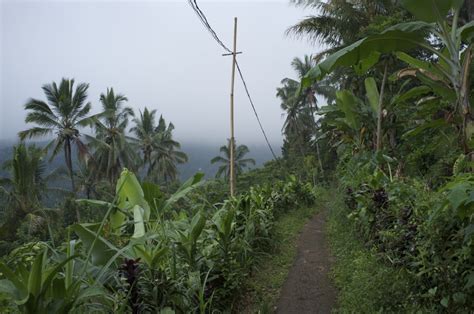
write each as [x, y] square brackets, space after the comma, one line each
[64, 112]
[24, 188]
[340, 22]
[160, 151]
[299, 107]
[300, 124]
[240, 163]
[144, 131]
[290, 104]
[168, 154]
[112, 150]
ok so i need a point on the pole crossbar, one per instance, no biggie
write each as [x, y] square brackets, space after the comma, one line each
[231, 53]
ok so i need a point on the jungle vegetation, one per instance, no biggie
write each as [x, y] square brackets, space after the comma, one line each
[382, 117]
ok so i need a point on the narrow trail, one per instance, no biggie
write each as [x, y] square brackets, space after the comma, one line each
[308, 288]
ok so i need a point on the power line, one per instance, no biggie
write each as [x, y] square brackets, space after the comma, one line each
[254, 110]
[205, 22]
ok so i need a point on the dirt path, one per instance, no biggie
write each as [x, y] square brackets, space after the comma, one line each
[308, 288]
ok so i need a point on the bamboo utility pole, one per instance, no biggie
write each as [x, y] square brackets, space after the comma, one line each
[232, 139]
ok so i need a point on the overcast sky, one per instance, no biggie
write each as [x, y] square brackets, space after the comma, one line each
[157, 53]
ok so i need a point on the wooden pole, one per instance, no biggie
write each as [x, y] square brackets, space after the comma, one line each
[232, 139]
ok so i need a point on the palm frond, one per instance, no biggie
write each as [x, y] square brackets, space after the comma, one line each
[34, 132]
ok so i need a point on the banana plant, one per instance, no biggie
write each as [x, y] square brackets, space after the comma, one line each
[131, 200]
[448, 77]
[352, 119]
[131, 206]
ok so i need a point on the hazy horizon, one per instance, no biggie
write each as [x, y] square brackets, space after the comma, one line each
[158, 54]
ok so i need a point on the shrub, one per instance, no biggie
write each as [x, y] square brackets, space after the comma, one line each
[428, 234]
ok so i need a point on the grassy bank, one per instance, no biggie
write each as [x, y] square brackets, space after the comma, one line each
[263, 287]
[365, 284]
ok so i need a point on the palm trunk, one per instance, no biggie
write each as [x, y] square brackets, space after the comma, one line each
[68, 157]
[300, 145]
[379, 117]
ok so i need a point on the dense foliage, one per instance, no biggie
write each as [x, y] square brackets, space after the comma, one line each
[426, 233]
[397, 135]
[151, 252]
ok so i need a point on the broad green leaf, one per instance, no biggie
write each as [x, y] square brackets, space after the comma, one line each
[429, 125]
[197, 225]
[419, 64]
[372, 93]
[429, 10]
[152, 194]
[439, 88]
[223, 220]
[347, 101]
[187, 187]
[102, 250]
[400, 37]
[365, 64]
[130, 193]
[117, 219]
[36, 275]
[70, 251]
[139, 225]
[412, 93]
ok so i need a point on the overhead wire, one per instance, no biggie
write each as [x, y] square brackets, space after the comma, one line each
[254, 110]
[205, 22]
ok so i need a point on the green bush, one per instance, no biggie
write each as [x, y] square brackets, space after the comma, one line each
[427, 234]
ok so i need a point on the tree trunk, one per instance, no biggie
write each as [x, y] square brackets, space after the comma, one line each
[319, 158]
[317, 144]
[379, 117]
[464, 101]
[68, 157]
